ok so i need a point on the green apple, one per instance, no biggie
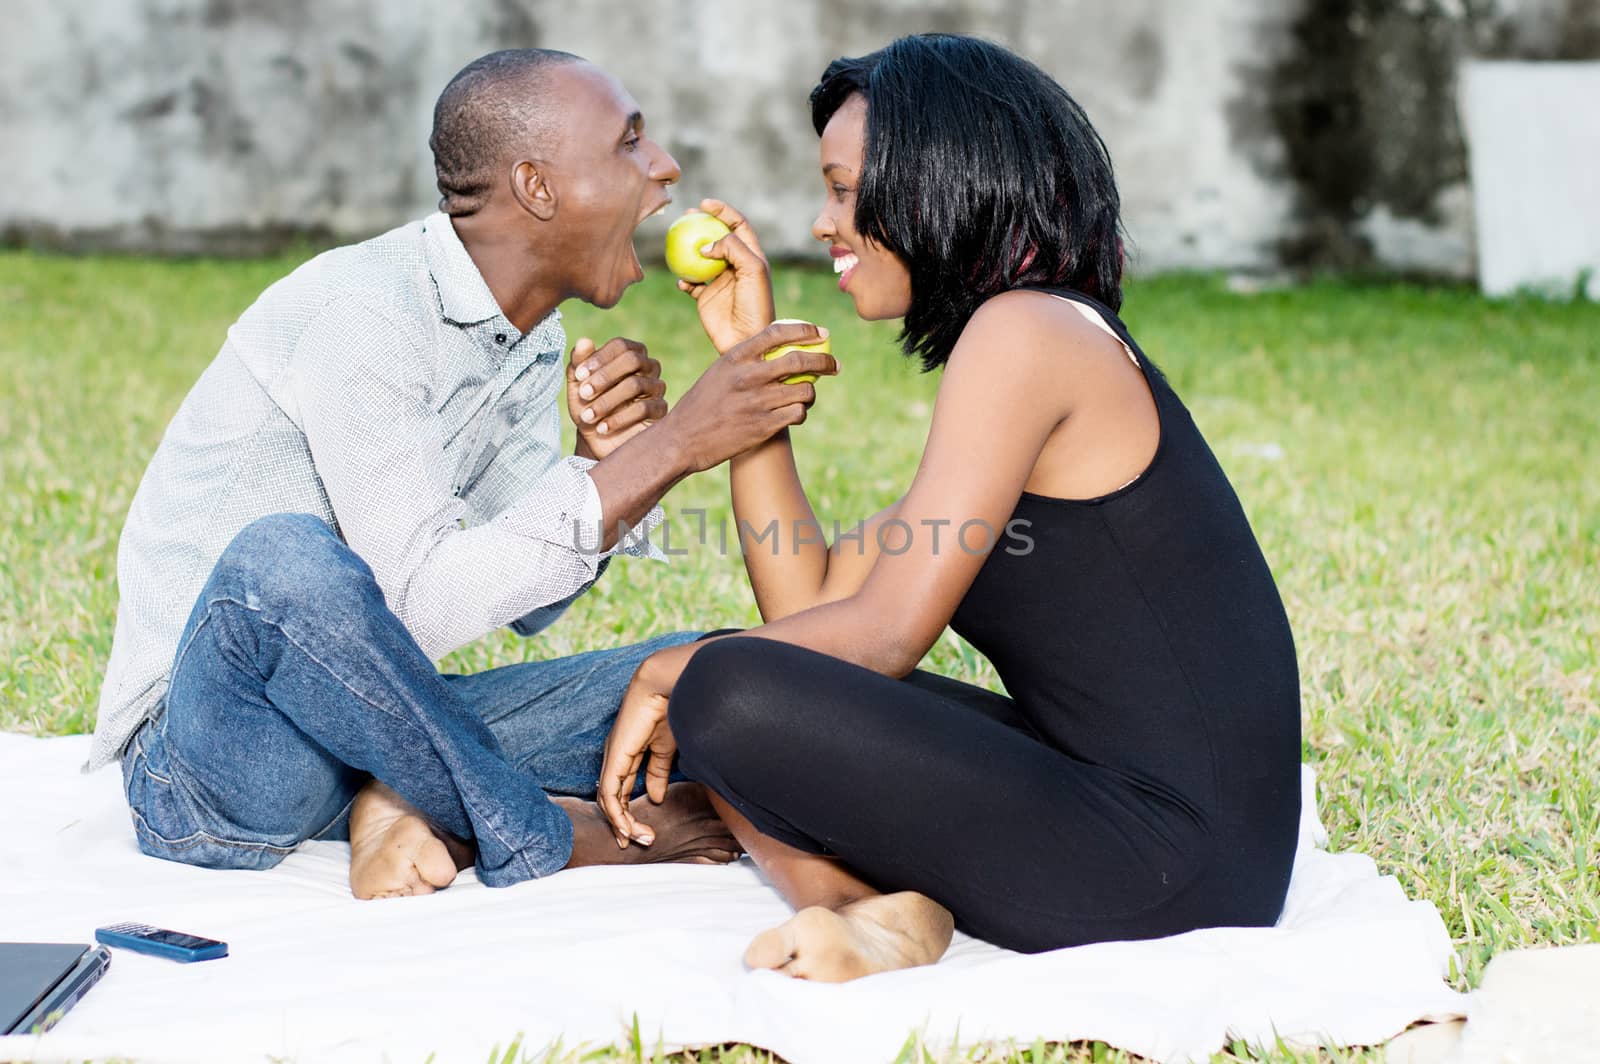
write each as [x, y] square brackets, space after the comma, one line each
[821, 345]
[685, 238]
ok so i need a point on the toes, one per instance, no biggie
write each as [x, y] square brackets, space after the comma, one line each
[404, 861]
[435, 867]
[411, 889]
[695, 856]
[773, 948]
[875, 935]
[714, 854]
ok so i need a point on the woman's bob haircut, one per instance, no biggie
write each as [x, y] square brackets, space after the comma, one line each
[981, 174]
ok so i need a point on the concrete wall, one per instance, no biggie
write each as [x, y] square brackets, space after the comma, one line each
[1246, 133]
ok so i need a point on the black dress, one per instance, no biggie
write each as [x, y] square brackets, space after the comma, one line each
[1143, 777]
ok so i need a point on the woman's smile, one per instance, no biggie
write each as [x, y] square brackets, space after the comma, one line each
[845, 262]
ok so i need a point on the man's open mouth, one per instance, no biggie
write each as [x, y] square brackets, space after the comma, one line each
[660, 208]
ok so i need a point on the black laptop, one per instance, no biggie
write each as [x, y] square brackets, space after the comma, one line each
[39, 981]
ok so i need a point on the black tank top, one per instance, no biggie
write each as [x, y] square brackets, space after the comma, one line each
[1142, 631]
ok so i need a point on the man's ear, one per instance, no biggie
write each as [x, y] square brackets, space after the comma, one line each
[530, 184]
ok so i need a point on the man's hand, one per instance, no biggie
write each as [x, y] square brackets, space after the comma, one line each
[741, 399]
[737, 303]
[613, 393]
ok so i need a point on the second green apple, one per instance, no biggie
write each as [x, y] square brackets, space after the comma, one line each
[821, 345]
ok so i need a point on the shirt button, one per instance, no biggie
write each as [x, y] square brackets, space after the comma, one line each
[499, 338]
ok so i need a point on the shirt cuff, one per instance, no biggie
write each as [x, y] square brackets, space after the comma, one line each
[635, 542]
[561, 509]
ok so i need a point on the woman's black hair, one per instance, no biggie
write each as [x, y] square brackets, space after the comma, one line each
[981, 174]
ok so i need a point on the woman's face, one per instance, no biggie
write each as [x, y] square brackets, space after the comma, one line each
[875, 277]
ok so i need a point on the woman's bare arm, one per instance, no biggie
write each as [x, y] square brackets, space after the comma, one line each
[790, 563]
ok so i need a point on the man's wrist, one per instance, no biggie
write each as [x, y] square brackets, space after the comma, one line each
[668, 440]
[632, 480]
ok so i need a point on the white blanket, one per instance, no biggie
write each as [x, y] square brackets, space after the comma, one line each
[314, 975]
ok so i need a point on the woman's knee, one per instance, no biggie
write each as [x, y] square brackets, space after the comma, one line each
[731, 698]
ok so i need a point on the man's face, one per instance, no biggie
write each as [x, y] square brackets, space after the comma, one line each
[607, 177]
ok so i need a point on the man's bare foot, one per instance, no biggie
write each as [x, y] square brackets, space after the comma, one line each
[878, 933]
[393, 850]
[687, 831]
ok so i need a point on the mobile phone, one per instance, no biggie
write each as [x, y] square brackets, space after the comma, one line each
[158, 942]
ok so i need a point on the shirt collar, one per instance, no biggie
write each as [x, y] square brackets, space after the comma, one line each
[464, 296]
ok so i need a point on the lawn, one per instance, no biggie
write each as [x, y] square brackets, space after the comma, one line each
[1422, 467]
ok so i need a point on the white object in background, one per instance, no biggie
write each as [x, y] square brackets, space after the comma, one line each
[1533, 1005]
[1533, 138]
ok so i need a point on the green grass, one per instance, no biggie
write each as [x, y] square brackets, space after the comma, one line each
[1422, 467]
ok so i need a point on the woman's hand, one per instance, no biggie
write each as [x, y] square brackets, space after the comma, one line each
[737, 303]
[614, 392]
[640, 728]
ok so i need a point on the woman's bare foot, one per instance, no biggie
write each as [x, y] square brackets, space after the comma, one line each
[878, 933]
[393, 850]
[687, 831]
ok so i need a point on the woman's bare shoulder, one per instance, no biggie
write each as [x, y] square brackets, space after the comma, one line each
[1025, 326]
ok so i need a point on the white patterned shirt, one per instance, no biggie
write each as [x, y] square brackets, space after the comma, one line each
[379, 387]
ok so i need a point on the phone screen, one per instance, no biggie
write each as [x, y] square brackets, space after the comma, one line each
[175, 938]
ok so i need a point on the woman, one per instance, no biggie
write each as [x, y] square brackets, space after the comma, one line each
[1142, 779]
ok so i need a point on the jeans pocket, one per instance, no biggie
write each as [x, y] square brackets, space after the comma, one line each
[168, 824]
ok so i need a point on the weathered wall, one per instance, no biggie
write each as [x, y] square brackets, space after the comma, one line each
[1246, 133]
[1353, 104]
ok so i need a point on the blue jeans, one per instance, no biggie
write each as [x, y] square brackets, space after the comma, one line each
[294, 682]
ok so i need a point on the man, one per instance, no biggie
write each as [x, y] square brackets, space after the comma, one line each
[368, 476]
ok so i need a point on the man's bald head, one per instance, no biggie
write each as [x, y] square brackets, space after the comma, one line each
[495, 107]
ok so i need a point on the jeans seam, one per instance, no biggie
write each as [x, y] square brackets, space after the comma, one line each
[183, 651]
[195, 838]
[140, 752]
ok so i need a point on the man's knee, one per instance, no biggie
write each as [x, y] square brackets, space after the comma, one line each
[277, 538]
[289, 555]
